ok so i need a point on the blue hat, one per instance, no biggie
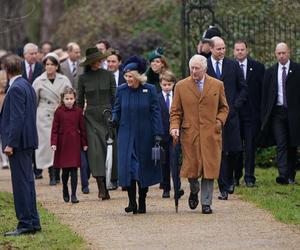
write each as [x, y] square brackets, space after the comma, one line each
[158, 53]
[135, 63]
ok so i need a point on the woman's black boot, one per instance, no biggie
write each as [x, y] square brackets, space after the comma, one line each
[132, 206]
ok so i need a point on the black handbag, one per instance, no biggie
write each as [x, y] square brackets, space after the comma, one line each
[158, 154]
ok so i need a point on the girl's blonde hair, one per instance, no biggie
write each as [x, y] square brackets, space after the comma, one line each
[67, 90]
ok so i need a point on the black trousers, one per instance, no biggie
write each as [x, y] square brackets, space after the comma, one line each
[229, 162]
[248, 129]
[286, 155]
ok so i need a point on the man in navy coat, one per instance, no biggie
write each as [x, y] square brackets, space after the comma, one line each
[228, 71]
[19, 139]
[280, 112]
[253, 73]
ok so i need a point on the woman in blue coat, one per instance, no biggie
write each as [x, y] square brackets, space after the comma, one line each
[137, 115]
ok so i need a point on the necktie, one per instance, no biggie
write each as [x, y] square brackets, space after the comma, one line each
[168, 101]
[242, 68]
[30, 74]
[218, 72]
[74, 72]
[283, 86]
[200, 86]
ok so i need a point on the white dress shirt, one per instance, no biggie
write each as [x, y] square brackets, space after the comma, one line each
[116, 74]
[27, 68]
[245, 63]
[279, 74]
[71, 65]
[170, 98]
[214, 63]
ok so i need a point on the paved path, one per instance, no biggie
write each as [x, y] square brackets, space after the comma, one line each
[104, 225]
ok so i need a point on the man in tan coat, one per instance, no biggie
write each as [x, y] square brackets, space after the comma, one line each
[198, 113]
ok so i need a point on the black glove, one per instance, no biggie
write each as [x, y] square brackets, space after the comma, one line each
[112, 123]
[157, 139]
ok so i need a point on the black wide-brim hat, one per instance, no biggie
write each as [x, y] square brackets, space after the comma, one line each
[93, 55]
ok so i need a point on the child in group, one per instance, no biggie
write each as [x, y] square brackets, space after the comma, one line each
[68, 136]
[171, 164]
[3, 84]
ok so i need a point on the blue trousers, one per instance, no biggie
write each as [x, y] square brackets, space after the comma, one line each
[24, 189]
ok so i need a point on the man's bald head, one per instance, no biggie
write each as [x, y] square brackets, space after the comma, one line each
[282, 53]
[218, 48]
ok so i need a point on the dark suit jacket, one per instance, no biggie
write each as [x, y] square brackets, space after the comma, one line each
[254, 80]
[38, 70]
[18, 117]
[236, 95]
[65, 69]
[269, 100]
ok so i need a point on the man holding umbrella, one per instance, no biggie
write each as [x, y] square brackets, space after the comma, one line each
[198, 114]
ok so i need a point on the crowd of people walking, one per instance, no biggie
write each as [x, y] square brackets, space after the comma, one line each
[53, 116]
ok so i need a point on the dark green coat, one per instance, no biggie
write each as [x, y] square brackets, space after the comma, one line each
[98, 89]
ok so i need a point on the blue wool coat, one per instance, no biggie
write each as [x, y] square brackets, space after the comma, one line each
[137, 114]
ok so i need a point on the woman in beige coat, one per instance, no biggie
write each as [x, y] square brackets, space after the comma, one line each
[48, 88]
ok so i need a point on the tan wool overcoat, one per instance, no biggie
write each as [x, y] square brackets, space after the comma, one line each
[196, 115]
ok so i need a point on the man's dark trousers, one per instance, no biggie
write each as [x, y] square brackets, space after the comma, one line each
[286, 155]
[23, 189]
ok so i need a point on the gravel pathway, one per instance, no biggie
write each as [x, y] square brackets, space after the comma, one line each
[104, 224]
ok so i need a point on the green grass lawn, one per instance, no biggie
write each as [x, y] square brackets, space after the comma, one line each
[53, 235]
[283, 201]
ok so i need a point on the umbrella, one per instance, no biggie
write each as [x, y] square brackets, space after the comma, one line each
[109, 153]
[175, 174]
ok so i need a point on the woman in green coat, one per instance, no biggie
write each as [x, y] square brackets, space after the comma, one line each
[96, 90]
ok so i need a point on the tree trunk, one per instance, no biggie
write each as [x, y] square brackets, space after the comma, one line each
[52, 10]
[12, 28]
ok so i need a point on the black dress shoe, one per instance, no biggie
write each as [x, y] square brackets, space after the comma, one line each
[37, 228]
[231, 189]
[131, 209]
[85, 190]
[74, 199]
[249, 184]
[291, 181]
[180, 193]
[223, 196]
[20, 231]
[236, 183]
[166, 194]
[193, 201]
[206, 209]
[39, 176]
[66, 195]
[282, 180]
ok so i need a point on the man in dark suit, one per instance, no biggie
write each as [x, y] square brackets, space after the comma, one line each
[228, 71]
[114, 63]
[31, 70]
[70, 67]
[253, 73]
[19, 140]
[280, 112]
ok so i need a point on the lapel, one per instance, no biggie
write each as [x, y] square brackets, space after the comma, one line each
[275, 78]
[191, 85]
[249, 70]
[210, 68]
[224, 68]
[207, 86]
[291, 71]
[163, 103]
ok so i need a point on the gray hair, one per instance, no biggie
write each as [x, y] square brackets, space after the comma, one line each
[29, 46]
[200, 59]
[71, 45]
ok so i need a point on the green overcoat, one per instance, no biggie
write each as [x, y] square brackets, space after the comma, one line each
[97, 88]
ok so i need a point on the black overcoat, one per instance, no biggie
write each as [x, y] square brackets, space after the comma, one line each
[236, 95]
[269, 100]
